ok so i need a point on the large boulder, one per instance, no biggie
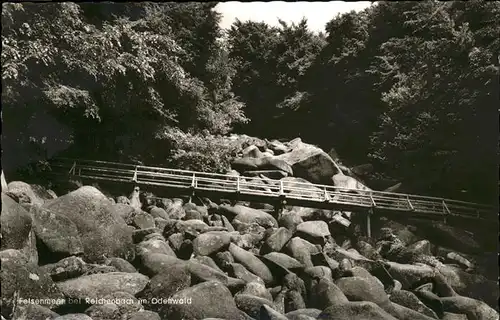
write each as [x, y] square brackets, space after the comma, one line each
[154, 246]
[342, 181]
[158, 212]
[120, 264]
[469, 285]
[74, 316]
[143, 220]
[194, 211]
[124, 211]
[165, 284]
[303, 314]
[16, 224]
[453, 316]
[465, 261]
[14, 254]
[310, 162]
[252, 263]
[144, 315]
[271, 174]
[245, 163]
[139, 235]
[364, 274]
[67, 268]
[355, 310]
[191, 225]
[103, 311]
[422, 247]
[211, 242]
[21, 281]
[268, 313]
[257, 289]
[207, 261]
[404, 313]
[299, 187]
[242, 273]
[103, 233]
[269, 163]
[125, 303]
[360, 289]
[408, 274]
[405, 233]
[153, 263]
[203, 273]
[277, 147]
[277, 239]
[255, 184]
[205, 300]
[474, 309]
[366, 289]
[315, 231]
[290, 220]
[251, 152]
[284, 260]
[410, 300]
[244, 214]
[32, 311]
[325, 293]
[122, 200]
[251, 304]
[175, 209]
[57, 232]
[301, 250]
[37, 195]
[318, 272]
[96, 286]
[17, 232]
[247, 240]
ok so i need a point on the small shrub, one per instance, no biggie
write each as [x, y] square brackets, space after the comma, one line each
[200, 152]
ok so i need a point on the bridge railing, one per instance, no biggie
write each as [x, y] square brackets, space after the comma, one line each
[119, 172]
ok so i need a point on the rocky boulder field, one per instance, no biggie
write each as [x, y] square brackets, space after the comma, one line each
[88, 254]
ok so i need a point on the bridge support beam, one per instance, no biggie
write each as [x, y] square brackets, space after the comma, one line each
[278, 208]
[192, 195]
[369, 223]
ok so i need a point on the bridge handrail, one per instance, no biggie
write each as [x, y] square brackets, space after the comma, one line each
[446, 206]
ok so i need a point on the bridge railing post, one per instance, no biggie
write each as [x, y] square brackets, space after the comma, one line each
[193, 181]
[134, 178]
[374, 204]
[445, 207]
[73, 167]
[325, 194]
[282, 192]
[409, 203]
[446, 211]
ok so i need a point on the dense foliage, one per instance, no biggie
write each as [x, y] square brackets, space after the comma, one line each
[407, 86]
[119, 83]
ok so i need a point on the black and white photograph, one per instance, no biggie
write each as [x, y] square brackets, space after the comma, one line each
[250, 160]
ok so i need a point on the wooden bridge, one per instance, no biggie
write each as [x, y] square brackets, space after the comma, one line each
[280, 192]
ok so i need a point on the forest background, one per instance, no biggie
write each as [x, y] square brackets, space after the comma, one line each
[409, 87]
